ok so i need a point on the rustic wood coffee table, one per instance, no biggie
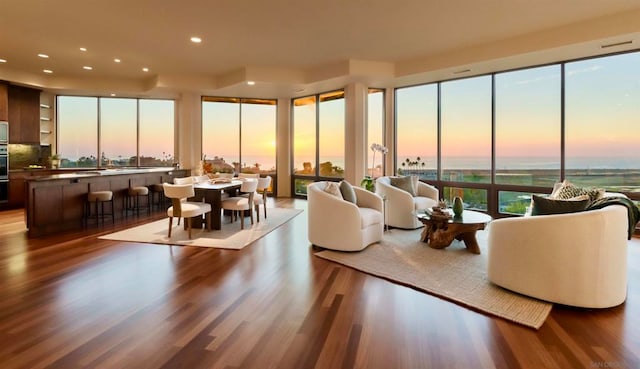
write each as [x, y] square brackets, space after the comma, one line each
[439, 233]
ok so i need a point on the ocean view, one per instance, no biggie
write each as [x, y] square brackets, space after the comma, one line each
[511, 163]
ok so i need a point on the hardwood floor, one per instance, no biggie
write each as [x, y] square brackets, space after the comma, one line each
[75, 301]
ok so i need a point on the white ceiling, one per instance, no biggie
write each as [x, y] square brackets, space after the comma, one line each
[294, 47]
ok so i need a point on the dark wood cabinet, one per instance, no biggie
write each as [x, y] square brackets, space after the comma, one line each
[4, 102]
[24, 115]
[16, 189]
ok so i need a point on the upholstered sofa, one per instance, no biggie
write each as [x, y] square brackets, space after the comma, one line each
[335, 223]
[577, 259]
[401, 206]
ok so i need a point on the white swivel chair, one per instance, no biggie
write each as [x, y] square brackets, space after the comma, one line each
[337, 224]
[238, 204]
[184, 209]
[260, 198]
[401, 207]
[577, 259]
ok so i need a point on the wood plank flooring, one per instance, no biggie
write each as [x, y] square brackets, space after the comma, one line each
[74, 301]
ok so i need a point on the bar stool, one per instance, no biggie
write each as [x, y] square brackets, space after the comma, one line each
[158, 189]
[132, 200]
[99, 197]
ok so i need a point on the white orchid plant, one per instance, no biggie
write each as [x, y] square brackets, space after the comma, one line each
[377, 148]
[367, 182]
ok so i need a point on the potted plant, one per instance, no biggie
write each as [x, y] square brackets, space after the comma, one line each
[367, 183]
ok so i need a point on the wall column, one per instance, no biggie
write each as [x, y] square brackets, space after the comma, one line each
[283, 147]
[355, 132]
[189, 132]
[389, 131]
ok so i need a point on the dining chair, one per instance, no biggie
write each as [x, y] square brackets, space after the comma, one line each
[223, 175]
[248, 175]
[185, 209]
[238, 204]
[201, 179]
[261, 196]
[183, 180]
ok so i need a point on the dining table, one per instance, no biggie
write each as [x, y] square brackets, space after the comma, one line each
[211, 193]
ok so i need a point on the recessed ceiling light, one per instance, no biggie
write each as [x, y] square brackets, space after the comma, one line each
[43, 56]
[83, 49]
[145, 69]
[3, 60]
[117, 60]
[48, 71]
[196, 40]
[113, 94]
[87, 67]
[251, 83]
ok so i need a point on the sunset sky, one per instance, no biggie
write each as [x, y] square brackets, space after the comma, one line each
[602, 110]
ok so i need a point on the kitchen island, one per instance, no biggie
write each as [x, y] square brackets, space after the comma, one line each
[55, 203]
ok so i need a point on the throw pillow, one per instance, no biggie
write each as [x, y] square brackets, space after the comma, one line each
[556, 187]
[347, 191]
[333, 188]
[545, 206]
[414, 182]
[403, 183]
[567, 192]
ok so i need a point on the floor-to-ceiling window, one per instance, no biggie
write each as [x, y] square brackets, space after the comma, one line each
[77, 131]
[104, 132]
[331, 134]
[417, 131]
[156, 132]
[375, 131]
[602, 122]
[318, 139]
[465, 139]
[118, 132]
[527, 129]
[522, 131]
[221, 134]
[239, 135]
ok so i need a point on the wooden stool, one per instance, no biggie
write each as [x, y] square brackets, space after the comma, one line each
[158, 189]
[132, 200]
[99, 197]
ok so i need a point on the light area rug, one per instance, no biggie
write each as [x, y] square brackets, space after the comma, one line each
[452, 273]
[229, 237]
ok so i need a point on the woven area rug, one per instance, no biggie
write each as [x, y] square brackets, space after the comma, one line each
[452, 273]
[229, 237]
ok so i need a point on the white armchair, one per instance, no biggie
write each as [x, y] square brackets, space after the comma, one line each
[401, 206]
[577, 259]
[338, 224]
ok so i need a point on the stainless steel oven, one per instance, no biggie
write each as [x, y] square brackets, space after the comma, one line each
[4, 162]
[4, 173]
[4, 133]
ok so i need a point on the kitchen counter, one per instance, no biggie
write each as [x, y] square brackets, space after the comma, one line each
[71, 173]
[55, 202]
